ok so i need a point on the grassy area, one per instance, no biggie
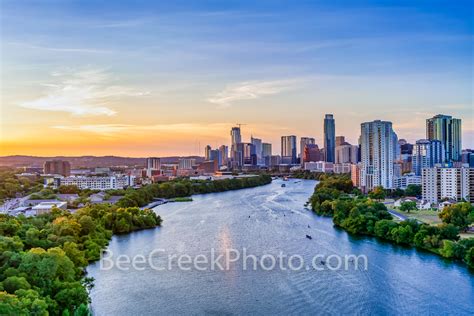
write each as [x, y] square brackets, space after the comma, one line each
[425, 216]
[182, 199]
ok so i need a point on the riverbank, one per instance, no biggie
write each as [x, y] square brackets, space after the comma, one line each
[268, 220]
[71, 241]
[360, 215]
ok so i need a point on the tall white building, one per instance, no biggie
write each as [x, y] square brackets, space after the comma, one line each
[98, 183]
[378, 152]
[452, 183]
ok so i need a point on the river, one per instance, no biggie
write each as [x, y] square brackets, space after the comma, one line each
[268, 220]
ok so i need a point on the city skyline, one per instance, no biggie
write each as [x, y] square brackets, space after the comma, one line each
[166, 79]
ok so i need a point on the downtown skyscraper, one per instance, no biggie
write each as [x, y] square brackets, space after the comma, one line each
[426, 153]
[447, 130]
[303, 142]
[330, 137]
[288, 149]
[377, 155]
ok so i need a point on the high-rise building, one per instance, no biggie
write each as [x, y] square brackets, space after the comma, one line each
[288, 149]
[311, 153]
[257, 142]
[215, 156]
[303, 142]
[340, 140]
[266, 153]
[426, 153]
[235, 138]
[329, 137]
[347, 153]
[223, 154]
[440, 182]
[207, 152]
[377, 155]
[355, 175]
[447, 130]
[61, 167]
[152, 164]
[467, 157]
[249, 156]
[266, 149]
[186, 163]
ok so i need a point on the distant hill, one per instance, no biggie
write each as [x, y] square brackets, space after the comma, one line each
[85, 161]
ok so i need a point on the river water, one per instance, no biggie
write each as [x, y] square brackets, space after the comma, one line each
[269, 220]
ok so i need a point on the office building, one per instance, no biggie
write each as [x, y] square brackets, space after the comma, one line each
[402, 182]
[224, 155]
[444, 182]
[467, 157]
[303, 142]
[266, 152]
[249, 155]
[257, 142]
[186, 163]
[377, 155]
[426, 153]
[59, 167]
[447, 130]
[288, 149]
[347, 153]
[207, 152]
[340, 140]
[329, 138]
[355, 175]
[311, 153]
[319, 166]
[98, 183]
[342, 168]
[235, 138]
[152, 164]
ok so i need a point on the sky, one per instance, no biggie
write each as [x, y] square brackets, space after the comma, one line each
[159, 78]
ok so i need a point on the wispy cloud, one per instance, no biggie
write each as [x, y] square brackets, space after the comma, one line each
[88, 50]
[251, 90]
[82, 93]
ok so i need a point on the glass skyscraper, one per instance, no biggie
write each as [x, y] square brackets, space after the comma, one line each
[288, 149]
[447, 130]
[330, 137]
[426, 153]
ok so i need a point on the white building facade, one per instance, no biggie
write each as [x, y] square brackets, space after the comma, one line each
[378, 150]
[440, 183]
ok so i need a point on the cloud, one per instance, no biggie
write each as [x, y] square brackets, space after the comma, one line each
[250, 90]
[81, 93]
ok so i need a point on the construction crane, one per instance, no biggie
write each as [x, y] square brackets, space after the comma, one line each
[239, 124]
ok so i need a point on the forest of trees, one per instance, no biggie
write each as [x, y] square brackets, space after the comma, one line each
[183, 188]
[43, 258]
[358, 214]
[11, 185]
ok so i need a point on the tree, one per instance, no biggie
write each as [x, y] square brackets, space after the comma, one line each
[378, 193]
[13, 283]
[457, 214]
[69, 189]
[408, 206]
[413, 190]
